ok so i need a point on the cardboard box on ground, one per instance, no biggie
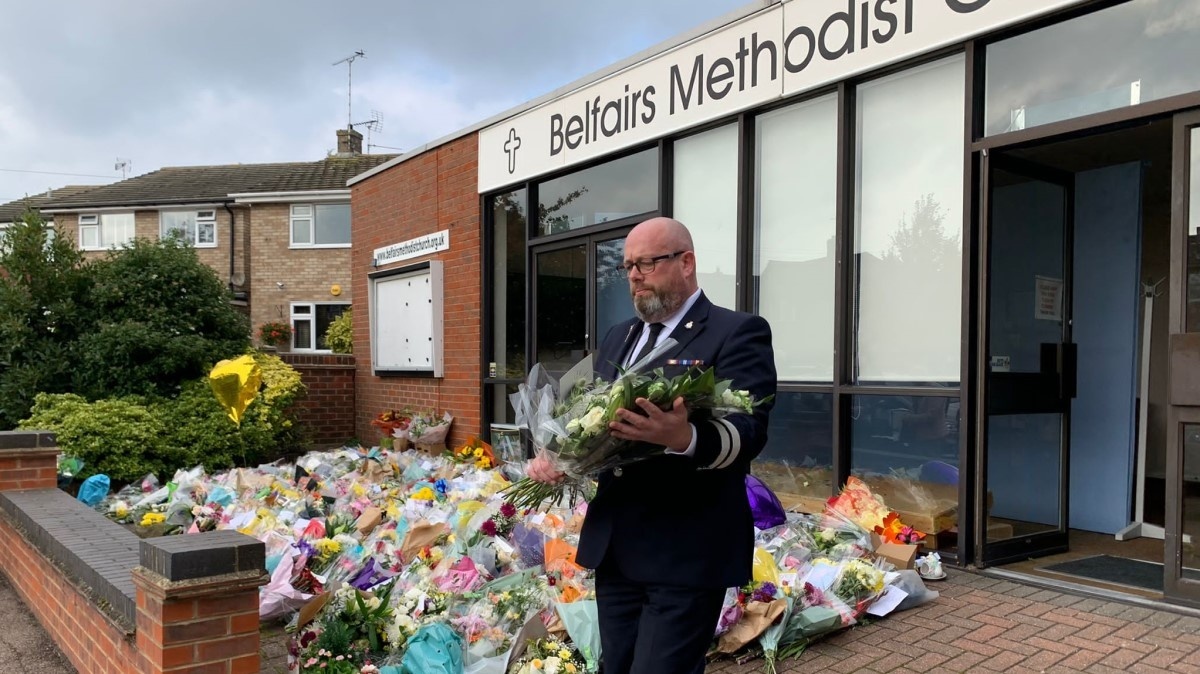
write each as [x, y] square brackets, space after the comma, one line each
[928, 507]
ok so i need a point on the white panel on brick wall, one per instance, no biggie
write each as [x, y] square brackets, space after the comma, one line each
[406, 320]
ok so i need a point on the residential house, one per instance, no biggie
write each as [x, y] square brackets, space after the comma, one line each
[13, 211]
[277, 234]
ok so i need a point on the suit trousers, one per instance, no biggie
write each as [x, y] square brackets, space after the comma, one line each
[654, 629]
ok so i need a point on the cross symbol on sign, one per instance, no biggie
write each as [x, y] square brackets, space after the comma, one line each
[510, 148]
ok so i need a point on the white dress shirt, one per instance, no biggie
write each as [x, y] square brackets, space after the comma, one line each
[668, 327]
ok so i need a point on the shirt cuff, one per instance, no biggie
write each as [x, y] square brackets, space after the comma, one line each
[691, 448]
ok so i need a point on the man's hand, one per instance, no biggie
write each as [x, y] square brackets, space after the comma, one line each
[669, 429]
[541, 469]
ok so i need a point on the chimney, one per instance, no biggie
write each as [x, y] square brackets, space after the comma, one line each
[349, 142]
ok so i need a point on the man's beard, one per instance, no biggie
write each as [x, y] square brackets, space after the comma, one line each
[657, 306]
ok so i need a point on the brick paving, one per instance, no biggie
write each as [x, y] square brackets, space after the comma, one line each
[979, 624]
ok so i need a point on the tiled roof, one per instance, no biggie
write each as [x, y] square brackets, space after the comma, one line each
[193, 184]
[13, 210]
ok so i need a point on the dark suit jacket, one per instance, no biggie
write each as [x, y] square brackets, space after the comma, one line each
[679, 520]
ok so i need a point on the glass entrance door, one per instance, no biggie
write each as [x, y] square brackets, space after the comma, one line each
[560, 316]
[1182, 559]
[579, 294]
[1028, 371]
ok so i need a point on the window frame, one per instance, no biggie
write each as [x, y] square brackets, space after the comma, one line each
[95, 223]
[311, 217]
[311, 317]
[195, 238]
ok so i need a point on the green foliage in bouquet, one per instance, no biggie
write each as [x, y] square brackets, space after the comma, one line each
[350, 633]
[583, 444]
[549, 655]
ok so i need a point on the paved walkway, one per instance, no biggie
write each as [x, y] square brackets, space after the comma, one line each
[984, 624]
[979, 624]
[24, 645]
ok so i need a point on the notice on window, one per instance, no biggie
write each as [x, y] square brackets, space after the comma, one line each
[1048, 299]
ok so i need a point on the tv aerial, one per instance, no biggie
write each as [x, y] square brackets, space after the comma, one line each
[123, 165]
[375, 124]
[349, 61]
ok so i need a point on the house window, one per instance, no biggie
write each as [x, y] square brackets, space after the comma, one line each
[315, 225]
[199, 228]
[108, 230]
[310, 322]
[4, 227]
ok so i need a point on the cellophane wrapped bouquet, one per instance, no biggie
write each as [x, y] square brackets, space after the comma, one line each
[568, 419]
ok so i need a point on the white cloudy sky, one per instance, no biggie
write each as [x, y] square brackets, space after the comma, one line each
[185, 82]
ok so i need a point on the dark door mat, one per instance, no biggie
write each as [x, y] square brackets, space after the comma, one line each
[1116, 570]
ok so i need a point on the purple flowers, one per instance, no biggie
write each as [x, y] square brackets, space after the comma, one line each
[765, 593]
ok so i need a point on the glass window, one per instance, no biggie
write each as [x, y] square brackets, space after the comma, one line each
[1190, 514]
[1024, 499]
[1128, 54]
[195, 227]
[705, 199]
[795, 206]
[310, 322]
[107, 230]
[906, 449]
[561, 323]
[301, 225]
[908, 225]
[613, 305]
[501, 407]
[797, 463]
[508, 284]
[89, 237]
[1193, 235]
[332, 225]
[613, 190]
[320, 225]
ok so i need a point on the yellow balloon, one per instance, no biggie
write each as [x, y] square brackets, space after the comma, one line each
[235, 383]
[764, 569]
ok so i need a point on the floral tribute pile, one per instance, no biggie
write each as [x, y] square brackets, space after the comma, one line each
[394, 562]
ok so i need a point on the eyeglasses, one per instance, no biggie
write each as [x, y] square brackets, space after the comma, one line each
[647, 265]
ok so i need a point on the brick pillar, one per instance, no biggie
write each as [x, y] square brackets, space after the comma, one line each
[28, 460]
[197, 603]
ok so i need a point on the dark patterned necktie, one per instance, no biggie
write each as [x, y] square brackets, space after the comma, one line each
[655, 329]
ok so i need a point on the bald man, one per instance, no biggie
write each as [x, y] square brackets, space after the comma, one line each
[668, 535]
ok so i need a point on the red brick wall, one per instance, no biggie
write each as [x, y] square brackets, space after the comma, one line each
[327, 410]
[90, 640]
[426, 194]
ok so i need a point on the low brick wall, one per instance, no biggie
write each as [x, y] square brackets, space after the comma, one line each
[327, 411]
[112, 602]
[91, 639]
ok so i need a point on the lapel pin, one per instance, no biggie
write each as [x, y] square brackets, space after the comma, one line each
[688, 325]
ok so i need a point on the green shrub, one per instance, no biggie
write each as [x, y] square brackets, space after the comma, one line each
[126, 438]
[119, 437]
[43, 285]
[340, 335]
[161, 317]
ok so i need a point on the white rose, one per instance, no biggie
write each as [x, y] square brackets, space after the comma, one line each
[552, 665]
[593, 421]
[573, 426]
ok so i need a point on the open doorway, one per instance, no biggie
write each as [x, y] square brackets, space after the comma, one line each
[1077, 260]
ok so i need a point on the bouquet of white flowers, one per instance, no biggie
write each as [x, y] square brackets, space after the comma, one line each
[569, 420]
